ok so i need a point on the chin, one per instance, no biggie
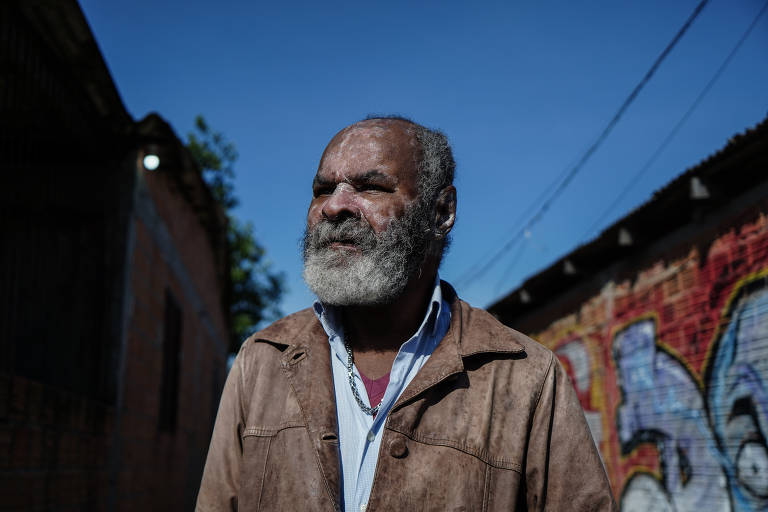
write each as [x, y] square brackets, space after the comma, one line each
[352, 284]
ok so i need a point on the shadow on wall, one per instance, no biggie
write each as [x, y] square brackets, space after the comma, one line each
[710, 436]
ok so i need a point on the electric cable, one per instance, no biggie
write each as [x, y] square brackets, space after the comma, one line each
[512, 264]
[540, 198]
[641, 172]
[472, 274]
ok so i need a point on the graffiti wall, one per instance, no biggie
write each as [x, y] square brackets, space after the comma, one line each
[671, 367]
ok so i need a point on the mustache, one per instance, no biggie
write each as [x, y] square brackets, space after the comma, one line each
[352, 231]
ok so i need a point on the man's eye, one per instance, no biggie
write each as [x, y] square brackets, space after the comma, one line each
[372, 187]
[323, 191]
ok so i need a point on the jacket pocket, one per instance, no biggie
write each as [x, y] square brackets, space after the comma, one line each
[502, 489]
[279, 469]
[256, 444]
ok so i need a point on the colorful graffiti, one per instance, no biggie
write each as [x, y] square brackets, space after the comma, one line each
[738, 398]
[710, 435]
[677, 398]
[581, 367]
[670, 364]
[663, 406]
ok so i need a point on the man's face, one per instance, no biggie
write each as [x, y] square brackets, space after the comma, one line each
[367, 232]
[368, 171]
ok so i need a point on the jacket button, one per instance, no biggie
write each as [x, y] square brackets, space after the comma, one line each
[397, 448]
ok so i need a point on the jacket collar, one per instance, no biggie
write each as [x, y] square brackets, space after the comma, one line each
[488, 334]
[301, 336]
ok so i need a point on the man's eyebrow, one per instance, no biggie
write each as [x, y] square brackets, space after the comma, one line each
[320, 181]
[371, 176]
[375, 175]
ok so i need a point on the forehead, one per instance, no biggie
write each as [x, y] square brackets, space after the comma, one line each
[373, 143]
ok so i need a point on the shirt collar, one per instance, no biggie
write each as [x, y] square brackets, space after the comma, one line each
[330, 318]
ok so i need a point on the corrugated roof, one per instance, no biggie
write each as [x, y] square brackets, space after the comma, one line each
[731, 171]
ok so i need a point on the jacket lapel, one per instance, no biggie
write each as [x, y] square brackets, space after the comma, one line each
[448, 357]
[445, 359]
[307, 364]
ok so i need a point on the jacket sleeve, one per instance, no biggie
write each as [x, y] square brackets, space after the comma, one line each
[221, 476]
[563, 469]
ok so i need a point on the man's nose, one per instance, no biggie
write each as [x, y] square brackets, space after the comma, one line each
[341, 203]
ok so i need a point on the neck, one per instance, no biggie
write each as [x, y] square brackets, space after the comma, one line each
[383, 328]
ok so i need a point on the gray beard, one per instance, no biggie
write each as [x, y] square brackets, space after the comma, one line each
[376, 275]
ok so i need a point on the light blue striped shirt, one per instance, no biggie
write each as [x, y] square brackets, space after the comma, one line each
[359, 433]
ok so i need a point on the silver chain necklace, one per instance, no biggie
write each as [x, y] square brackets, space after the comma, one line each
[351, 376]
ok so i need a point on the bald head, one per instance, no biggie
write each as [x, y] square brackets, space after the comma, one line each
[378, 127]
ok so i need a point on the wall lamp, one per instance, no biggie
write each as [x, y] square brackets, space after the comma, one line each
[151, 161]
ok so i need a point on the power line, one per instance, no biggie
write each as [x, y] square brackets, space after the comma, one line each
[540, 198]
[641, 172]
[512, 264]
[474, 272]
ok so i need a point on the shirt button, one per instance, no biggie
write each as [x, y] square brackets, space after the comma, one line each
[370, 436]
[363, 507]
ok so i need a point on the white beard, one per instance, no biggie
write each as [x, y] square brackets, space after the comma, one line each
[376, 274]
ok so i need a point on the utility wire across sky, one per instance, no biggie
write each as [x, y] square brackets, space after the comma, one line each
[565, 178]
[641, 172]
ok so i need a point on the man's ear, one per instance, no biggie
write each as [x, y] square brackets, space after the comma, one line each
[445, 211]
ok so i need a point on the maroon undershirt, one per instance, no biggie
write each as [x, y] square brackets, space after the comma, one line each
[375, 388]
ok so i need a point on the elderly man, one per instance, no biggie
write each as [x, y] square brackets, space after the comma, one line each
[391, 393]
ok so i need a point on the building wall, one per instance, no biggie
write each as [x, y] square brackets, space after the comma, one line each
[62, 224]
[54, 447]
[161, 465]
[91, 247]
[66, 443]
[670, 363]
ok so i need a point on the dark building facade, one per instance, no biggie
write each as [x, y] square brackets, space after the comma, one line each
[113, 332]
[662, 323]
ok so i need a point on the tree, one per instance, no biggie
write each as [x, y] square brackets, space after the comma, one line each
[254, 288]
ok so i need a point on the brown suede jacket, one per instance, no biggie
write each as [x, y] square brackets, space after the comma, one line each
[491, 422]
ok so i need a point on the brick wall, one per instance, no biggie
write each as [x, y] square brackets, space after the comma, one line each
[161, 468]
[670, 363]
[54, 448]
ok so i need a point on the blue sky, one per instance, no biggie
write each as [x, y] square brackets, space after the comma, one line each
[521, 90]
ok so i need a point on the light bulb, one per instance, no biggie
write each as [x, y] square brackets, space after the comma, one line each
[151, 162]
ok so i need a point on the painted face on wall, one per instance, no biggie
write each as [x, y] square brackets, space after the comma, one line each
[368, 171]
[738, 394]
